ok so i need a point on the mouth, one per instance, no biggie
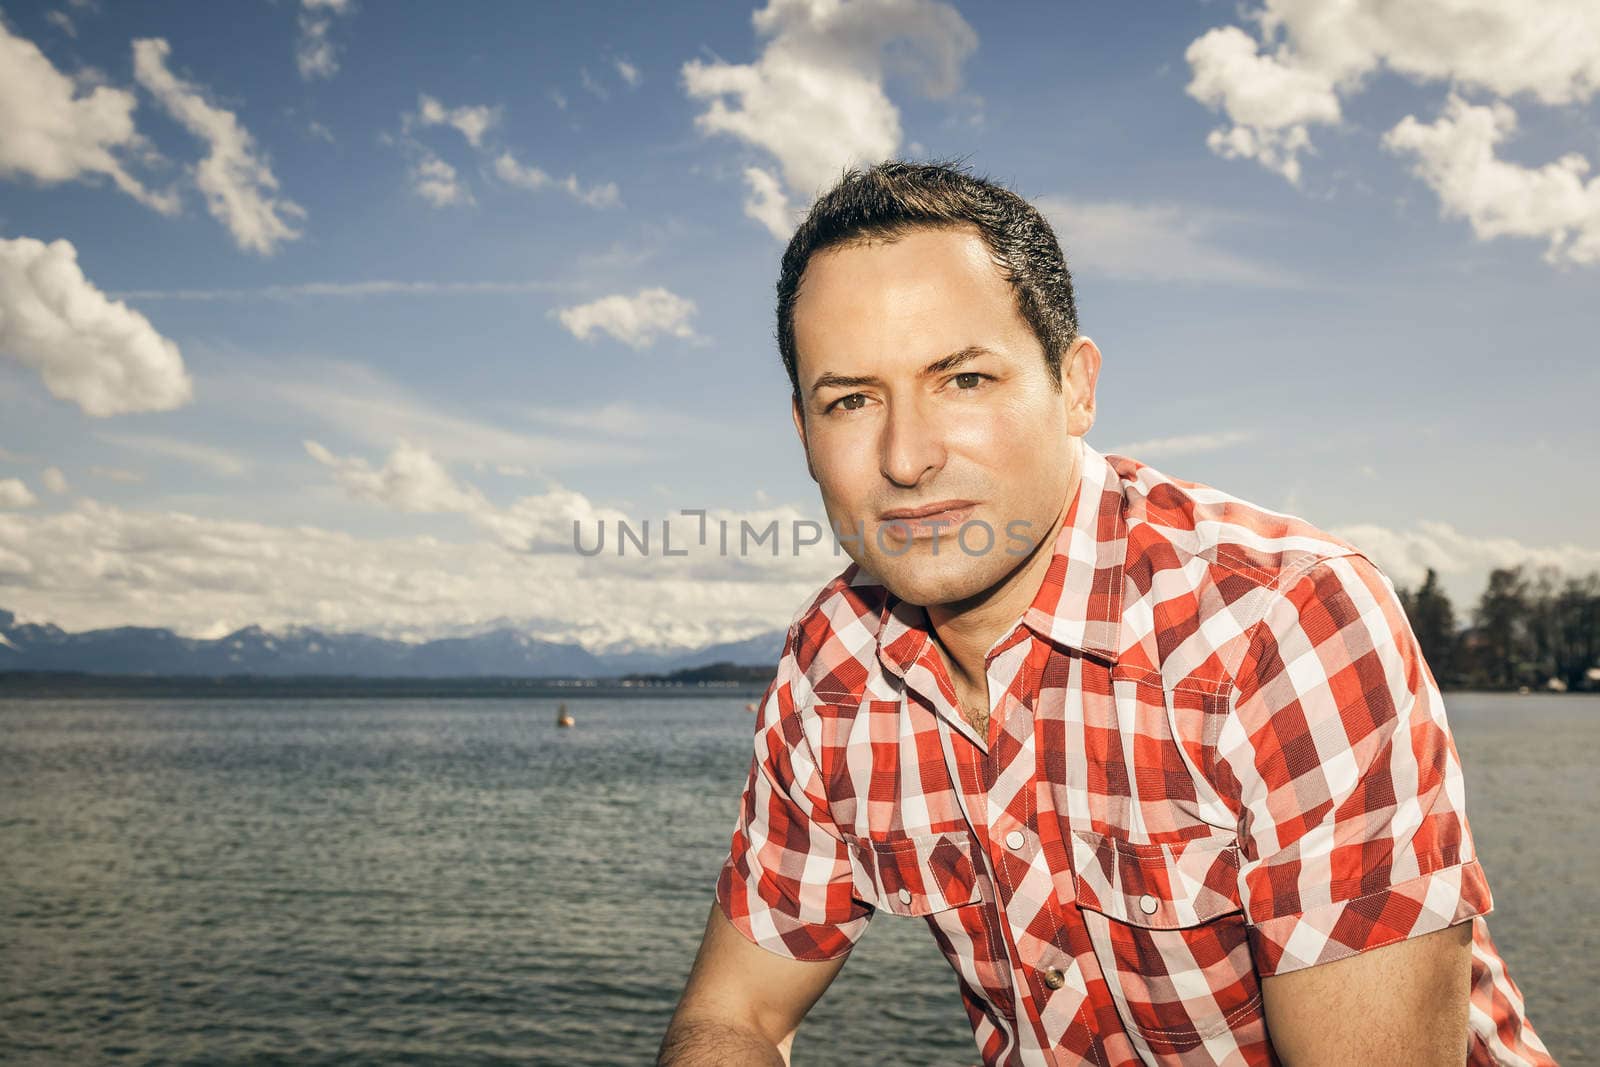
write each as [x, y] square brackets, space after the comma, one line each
[941, 517]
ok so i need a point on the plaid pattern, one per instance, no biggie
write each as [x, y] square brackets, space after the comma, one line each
[1214, 754]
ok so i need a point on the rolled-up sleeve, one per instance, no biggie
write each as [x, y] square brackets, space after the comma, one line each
[788, 884]
[1346, 779]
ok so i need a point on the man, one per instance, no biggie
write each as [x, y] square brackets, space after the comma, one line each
[1164, 771]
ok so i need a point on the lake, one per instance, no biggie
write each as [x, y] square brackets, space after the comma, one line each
[421, 880]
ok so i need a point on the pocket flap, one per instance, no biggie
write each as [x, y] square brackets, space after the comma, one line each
[1161, 887]
[921, 874]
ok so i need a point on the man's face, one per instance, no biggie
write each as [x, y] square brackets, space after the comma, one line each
[922, 385]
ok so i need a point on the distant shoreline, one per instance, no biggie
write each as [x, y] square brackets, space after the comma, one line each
[48, 684]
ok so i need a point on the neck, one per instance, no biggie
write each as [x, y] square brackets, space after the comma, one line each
[966, 629]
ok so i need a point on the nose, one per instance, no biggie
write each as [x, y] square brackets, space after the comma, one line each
[911, 446]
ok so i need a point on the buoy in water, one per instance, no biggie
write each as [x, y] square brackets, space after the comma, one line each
[749, 707]
[563, 718]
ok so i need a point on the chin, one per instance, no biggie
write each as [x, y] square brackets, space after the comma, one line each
[922, 579]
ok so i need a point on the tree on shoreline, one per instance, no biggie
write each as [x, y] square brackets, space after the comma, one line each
[1539, 631]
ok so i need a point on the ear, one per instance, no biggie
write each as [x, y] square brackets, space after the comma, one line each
[800, 428]
[1080, 372]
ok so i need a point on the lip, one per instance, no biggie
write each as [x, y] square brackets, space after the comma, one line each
[930, 520]
[938, 507]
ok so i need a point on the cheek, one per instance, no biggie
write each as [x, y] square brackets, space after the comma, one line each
[1007, 438]
[844, 467]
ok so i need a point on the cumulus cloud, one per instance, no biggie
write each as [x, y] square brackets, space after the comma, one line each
[14, 493]
[1153, 242]
[629, 73]
[315, 54]
[411, 480]
[1462, 561]
[1455, 156]
[240, 189]
[1270, 99]
[718, 545]
[98, 353]
[95, 564]
[1273, 90]
[510, 171]
[54, 480]
[815, 98]
[438, 183]
[471, 121]
[51, 133]
[637, 321]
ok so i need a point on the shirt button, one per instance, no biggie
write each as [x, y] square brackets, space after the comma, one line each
[1015, 840]
[1054, 978]
[1148, 904]
[905, 896]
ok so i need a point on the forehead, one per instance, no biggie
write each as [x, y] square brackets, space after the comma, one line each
[913, 299]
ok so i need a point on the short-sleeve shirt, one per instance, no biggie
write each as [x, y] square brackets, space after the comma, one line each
[1214, 754]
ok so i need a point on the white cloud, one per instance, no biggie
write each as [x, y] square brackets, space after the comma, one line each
[219, 461]
[768, 204]
[437, 182]
[636, 321]
[510, 171]
[315, 54]
[99, 565]
[100, 354]
[1462, 561]
[62, 21]
[592, 86]
[51, 134]
[239, 187]
[411, 480]
[472, 122]
[815, 98]
[54, 480]
[1270, 100]
[1152, 242]
[1311, 54]
[1455, 156]
[14, 493]
[629, 73]
[1183, 445]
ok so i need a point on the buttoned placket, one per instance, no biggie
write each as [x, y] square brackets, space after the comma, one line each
[1046, 970]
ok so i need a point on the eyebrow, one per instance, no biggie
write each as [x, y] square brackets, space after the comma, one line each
[828, 379]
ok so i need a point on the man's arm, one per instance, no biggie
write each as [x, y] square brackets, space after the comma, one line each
[1359, 879]
[1402, 1003]
[741, 1004]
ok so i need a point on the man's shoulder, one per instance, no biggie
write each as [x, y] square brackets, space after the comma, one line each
[832, 636]
[1172, 522]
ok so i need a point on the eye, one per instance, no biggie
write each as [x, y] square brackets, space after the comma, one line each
[968, 380]
[850, 402]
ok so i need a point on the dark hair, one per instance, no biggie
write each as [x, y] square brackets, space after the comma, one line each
[889, 200]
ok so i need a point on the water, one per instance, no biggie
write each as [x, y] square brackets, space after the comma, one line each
[433, 880]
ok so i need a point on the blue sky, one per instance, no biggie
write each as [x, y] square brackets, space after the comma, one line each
[406, 290]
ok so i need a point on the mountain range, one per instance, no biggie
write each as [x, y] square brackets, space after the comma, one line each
[503, 652]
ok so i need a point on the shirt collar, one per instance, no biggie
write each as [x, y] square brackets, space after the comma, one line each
[1079, 602]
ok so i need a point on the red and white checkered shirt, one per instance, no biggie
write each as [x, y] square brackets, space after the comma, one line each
[1214, 754]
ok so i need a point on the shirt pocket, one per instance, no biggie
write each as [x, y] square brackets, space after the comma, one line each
[1169, 934]
[918, 874]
